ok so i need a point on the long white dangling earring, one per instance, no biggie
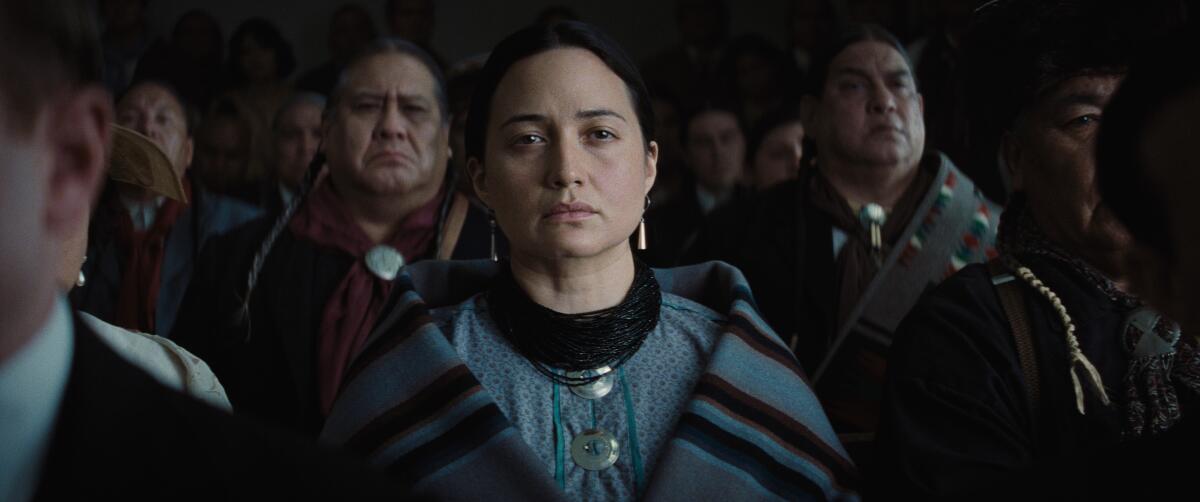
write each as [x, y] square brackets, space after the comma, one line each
[492, 224]
[641, 236]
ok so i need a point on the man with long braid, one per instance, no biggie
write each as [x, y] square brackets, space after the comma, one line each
[280, 308]
[1031, 374]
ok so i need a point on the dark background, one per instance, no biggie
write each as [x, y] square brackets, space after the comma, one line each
[470, 27]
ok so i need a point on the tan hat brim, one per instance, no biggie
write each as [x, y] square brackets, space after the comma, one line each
[137, 160]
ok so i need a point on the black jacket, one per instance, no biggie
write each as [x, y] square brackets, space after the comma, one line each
[785, 250]
[206, 216]
[120, 435]
[956, 420]
[267, 362]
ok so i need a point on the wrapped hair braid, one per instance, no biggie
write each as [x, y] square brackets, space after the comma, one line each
[281, 222]
[1077, 358]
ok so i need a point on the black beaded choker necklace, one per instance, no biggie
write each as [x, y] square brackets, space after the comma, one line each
[576, 342]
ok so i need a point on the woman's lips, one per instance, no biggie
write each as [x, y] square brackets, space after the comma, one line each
[564, 212]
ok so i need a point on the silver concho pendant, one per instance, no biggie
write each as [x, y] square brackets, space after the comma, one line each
[1153, 341]
[595, 449]
[384, 261]
[597, 389]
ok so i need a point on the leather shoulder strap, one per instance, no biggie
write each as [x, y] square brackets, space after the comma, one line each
[452, 227]
[1013, 302]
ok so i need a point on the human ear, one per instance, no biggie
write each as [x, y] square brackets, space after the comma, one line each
[78, 133]
[189, 149]
[478, 179]
[1010, 161]
[651, 166]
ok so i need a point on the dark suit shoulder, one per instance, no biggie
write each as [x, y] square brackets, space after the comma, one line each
[954, 328]
[220, 214]
[122, 434]
[218, 281]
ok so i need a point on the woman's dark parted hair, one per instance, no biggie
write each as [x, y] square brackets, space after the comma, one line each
[1160, 74]
[850, 35]
[538, 39]
[1018, 50]
[391, 45]
[263, 33]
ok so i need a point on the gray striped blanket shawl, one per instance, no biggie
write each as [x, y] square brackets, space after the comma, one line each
[752, 430]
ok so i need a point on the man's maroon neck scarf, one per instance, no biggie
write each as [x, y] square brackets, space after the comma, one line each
[355, 305]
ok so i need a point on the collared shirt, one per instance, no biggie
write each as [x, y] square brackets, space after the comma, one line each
[142, 213]
[708, 200]
[32, 384]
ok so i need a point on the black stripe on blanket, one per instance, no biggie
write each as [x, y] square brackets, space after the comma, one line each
[768, 420]
[425, 405]
[398, 330]
[765, 345]
[467, 435]
[747, 457]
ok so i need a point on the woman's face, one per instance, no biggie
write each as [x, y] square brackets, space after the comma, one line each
[778, 157]
[257, 61]
[565, 167]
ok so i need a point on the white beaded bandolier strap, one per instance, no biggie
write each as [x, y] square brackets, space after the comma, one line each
[1078, 360]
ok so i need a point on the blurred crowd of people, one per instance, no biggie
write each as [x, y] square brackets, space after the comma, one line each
[935, 251]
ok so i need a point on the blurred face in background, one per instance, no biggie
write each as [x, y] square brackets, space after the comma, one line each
[715, 149]
[778, 157]
[24, 175]
[199, 37]
[53, 152]
[413, 20]
[349, 32]
[297, 136]
[223, 152]
[153, 110]
[258, 61]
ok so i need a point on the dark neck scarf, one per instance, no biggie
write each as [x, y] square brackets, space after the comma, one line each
[355, 305]
[1157, 371]
[855, 264]
[142, 254]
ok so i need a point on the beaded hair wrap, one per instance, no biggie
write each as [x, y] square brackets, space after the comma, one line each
[1078, 361]
[1019, 234]
[555, 343]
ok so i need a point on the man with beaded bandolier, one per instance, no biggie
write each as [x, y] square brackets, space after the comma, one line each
[838, 256]
[1038, 371]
